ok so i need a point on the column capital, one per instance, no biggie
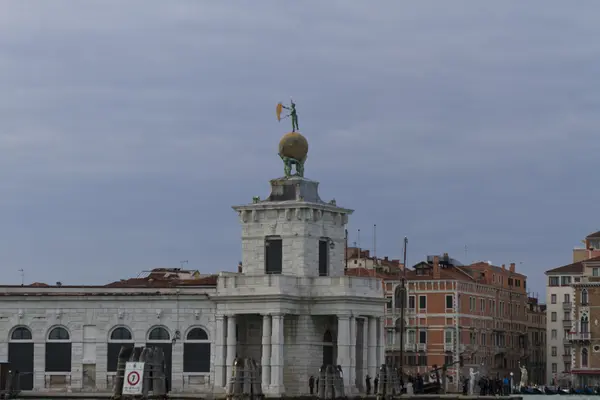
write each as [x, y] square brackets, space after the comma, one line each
[277, 315]
[344, 316]
[219, 316]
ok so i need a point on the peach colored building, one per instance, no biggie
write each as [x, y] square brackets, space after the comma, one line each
[479, 310]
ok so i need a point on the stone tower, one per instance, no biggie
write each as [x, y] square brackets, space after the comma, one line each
[293, 232]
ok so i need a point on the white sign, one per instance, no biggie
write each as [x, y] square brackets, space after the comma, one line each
[134, 375]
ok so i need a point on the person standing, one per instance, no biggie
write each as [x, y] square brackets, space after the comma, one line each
[311, 384]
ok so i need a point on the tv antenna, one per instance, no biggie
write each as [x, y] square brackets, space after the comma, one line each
[22, 271]
[183, 262]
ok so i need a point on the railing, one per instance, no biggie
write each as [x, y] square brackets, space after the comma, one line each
[579, 336]
[409, 346]
[567, 323]
[567, 306]
[421, 347]
[448, 346]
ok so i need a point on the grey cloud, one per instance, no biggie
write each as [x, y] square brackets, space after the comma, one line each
[130, 127]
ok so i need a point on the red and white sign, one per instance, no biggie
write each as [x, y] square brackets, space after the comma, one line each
[134, 371]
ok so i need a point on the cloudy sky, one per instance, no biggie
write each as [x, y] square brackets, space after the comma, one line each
[128, 128]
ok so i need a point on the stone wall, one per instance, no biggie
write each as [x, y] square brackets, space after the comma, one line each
[97, 316]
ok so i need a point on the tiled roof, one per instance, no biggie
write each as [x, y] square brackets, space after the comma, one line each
[210, 280]
[575, 268]
[594, 235]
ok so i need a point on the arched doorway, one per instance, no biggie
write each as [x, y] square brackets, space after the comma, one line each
[328, 348]
[119, 337]
[159, 337]
[20, 355]
[58, 350]
[196, 351]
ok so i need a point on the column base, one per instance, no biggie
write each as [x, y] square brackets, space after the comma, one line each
[275, 391]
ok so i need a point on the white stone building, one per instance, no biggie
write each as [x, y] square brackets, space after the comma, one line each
[292, 309]
[559, 321]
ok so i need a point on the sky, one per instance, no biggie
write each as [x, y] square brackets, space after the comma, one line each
[129, 128]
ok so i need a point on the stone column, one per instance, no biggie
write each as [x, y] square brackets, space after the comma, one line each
[177, 366]
[352, 374]
[231, 346]
[277, 342]
[219, 351]
[266, 353]
[344, 348]
[372, 340]
[365, 351]
[381, 342]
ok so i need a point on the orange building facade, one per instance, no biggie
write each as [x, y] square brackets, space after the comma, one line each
[479, 311]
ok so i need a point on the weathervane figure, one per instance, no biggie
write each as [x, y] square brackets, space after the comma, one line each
[293, 114]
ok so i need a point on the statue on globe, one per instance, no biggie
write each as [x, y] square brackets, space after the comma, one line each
[293, 114]
[293, 147]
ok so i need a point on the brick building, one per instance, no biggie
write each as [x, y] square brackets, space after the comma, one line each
[584, 336]
[535, 350]
[480, 310]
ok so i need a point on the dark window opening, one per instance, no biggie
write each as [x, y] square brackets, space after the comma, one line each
[422, 302]
[196, 357]
[159, 333]
[422, 337]
[273, 255]
[324, 257]
[21, 334]
[411, 302]
[120, 334]
[112, 356]
[58, 333]
[197, 334]
[449, 301]
[58, 357]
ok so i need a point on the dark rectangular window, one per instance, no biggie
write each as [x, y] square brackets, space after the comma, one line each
[448, 359]
[112, 356]
[58, 357]
[423, 360]
[323, 257]
[422, 336]
[389, 303]
[273, 255]
[448, 301]
[411, 302]
[196, 357]
[422, 302]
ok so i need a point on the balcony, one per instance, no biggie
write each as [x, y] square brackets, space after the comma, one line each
[567, 340]
[579, 336]
[567, 323]
[411, 311]
[566, 357]
[567, 306]
[421, 346]
[448, 346]
[499, 349]
[409, 347]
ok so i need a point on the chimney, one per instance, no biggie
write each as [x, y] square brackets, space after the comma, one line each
[503, 267]
[512, 267]
[240, 267]
[436, 267]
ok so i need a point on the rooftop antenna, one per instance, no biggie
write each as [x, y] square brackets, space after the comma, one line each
[22, 276]
[183, 262]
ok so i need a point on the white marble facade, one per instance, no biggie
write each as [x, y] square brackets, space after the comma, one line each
[289, 321]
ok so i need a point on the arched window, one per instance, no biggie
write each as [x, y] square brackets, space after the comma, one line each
[120, 334]
[584, 296]
[21, 333]
[58, 350]
[584, 358]
[119, 337]
[58, 333]
[196, 351]
[160, 338]
[20, 355]
[159, 334]
[585, 324]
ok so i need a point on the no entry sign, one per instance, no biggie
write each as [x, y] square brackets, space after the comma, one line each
[134, 371]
